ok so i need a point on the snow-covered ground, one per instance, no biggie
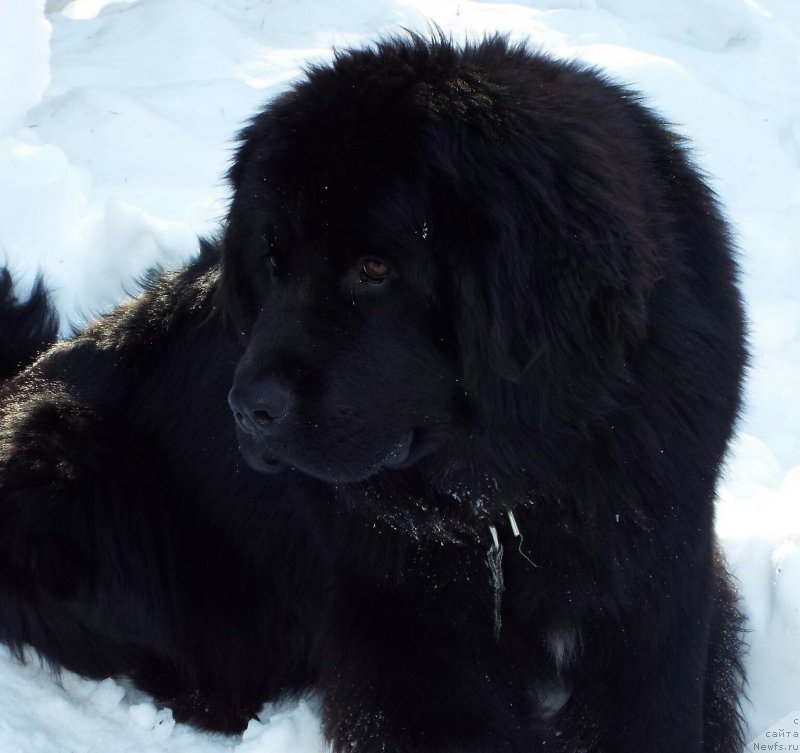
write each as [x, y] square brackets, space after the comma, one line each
[116, 124]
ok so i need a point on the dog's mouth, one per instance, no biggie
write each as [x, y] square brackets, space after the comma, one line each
[264, 463]
[269, 458]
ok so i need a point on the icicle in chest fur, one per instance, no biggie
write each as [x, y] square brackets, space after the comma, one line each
[494, 558]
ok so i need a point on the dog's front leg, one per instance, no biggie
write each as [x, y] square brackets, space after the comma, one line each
[409, 672]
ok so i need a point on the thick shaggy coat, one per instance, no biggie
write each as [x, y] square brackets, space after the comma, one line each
[460, 292]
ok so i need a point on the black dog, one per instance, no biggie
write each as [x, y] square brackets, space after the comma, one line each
[476, 317]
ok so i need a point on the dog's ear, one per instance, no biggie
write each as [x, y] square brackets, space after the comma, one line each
[554, 261]
[245, 245]
[237, 292]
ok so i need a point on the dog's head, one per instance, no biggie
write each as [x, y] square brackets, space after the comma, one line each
[434, 263]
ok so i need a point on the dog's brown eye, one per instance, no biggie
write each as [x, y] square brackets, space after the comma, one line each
[374, 271]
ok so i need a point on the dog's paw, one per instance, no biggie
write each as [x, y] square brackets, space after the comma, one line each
[213, 712]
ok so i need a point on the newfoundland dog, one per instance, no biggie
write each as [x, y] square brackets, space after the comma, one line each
[433, 427]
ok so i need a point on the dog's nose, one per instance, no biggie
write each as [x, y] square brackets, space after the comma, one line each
[261, 406]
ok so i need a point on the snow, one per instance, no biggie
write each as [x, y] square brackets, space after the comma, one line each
[116, 125]
[24, 58]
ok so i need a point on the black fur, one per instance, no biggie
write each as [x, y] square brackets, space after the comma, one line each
[25, 328]
[453, 283]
